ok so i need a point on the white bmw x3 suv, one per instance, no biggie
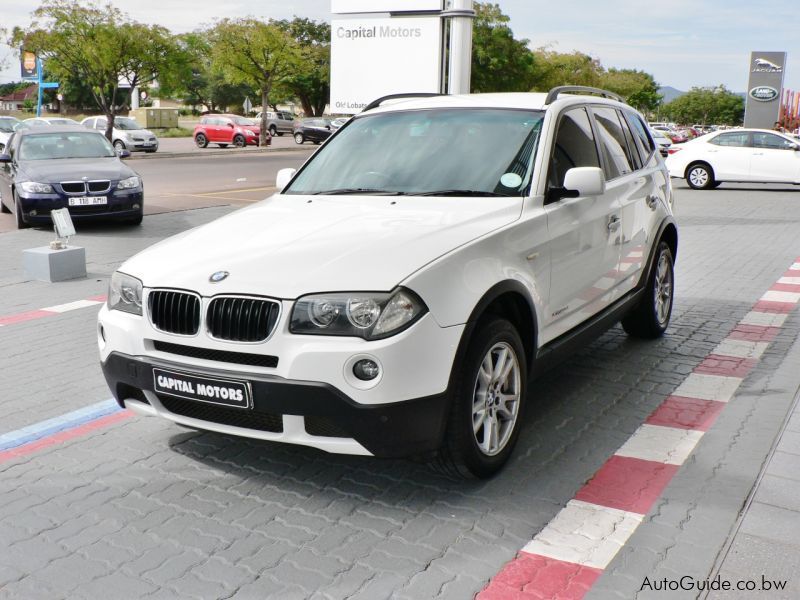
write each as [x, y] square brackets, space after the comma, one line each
[399, 292]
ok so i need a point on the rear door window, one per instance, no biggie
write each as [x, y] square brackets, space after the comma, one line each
[734, 139]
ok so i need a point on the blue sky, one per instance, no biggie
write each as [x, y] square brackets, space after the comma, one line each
[683, 43]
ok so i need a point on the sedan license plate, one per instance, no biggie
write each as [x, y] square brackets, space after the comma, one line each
[226, 392]
[88, 201]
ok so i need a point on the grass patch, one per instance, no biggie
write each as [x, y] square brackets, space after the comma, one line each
[173, 132]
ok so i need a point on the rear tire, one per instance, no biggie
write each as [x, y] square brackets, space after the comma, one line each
[487, 403]
[650, 318]
[201, 140]
[18, 213]
[700, 176]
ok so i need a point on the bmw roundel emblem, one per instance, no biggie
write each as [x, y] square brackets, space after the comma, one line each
[218, 276]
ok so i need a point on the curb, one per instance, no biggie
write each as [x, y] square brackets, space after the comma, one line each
[220, 152]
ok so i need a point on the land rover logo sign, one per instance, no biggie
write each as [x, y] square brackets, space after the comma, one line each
[218, 276]
[764, 93]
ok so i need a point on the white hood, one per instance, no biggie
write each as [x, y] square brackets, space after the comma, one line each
[288, 246]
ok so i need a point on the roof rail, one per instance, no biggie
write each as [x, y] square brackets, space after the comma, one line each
[553, 94]
[382, 99]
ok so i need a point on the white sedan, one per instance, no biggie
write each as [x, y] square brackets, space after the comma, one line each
[745, 155]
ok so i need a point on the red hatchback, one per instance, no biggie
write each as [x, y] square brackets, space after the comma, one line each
[224, 130]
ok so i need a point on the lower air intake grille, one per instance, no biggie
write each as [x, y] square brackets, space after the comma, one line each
[235, 417]
[239, 358]
[324, 427]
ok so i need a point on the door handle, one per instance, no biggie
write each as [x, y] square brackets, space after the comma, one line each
[652, 201]
[614, 223]
[758, 154]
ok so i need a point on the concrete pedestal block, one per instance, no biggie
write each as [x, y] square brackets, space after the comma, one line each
[46, 264]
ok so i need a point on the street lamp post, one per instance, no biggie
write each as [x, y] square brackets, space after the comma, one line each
[461, 14]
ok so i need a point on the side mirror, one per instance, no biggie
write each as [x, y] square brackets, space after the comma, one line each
[5, 158]
[283, 178]
[579, 181]
[587, 181]
[123, 153]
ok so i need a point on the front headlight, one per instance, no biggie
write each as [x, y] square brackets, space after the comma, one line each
[248, 132]
[125, 293]
[36, 188]
[128, 184]
[371, 316]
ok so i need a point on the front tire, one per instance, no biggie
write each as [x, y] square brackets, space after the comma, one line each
[487, 403]
[298, 138]
[650, 318]
[700, 176]
[239, 141]
[273, 131]
[20, 223]
[119, 145]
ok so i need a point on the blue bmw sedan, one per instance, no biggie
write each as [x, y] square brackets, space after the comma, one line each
[67, 167]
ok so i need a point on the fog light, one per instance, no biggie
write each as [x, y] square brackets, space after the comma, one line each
[33, 213]
[366, 370]
[136, 207]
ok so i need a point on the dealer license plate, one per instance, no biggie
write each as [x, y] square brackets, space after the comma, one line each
[226, 392]
[88, 201]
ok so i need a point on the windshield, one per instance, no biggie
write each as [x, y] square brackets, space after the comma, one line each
[125, 123]
[471, 152]
[77, 144]
[7, 124]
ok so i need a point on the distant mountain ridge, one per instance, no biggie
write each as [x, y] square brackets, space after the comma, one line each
[669, 93]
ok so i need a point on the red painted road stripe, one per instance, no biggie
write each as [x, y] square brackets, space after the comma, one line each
[626, 483]
[64, 436]
[727, 366]
[686, 413]
[26, 316]
[785, 287]
[534, 577]
[768, 306]
[100, 298]
[754, 333]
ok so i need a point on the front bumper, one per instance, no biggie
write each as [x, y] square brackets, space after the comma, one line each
[121, 204]
[300, 412]
[303, 381]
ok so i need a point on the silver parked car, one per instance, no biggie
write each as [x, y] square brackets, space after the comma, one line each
[127, 133]
[278, 122]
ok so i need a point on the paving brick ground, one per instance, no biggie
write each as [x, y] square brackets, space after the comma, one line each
[145, 509]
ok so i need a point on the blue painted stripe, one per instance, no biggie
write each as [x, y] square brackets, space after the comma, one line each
[40, 430]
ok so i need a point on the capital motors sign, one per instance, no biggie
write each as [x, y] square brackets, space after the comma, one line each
[764, 93]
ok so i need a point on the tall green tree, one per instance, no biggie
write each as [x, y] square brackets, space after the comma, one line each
[639, 89]
[706, 105]
[500, 62]
[254, 53]
[553, 69]
[102, 47]
[310, 81]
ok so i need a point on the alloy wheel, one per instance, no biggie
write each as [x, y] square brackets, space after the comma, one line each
[496, 399]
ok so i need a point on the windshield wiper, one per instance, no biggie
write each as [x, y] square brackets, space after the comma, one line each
[459, 193]
[348, 191]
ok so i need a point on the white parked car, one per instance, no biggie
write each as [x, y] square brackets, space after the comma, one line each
[126, 135]
[7, 127]
[742, 155]
[395, 296]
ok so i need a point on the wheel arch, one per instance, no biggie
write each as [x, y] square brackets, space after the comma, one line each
[508, 299]
[696, 162]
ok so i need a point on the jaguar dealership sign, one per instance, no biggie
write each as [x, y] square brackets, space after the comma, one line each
[763, 102]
